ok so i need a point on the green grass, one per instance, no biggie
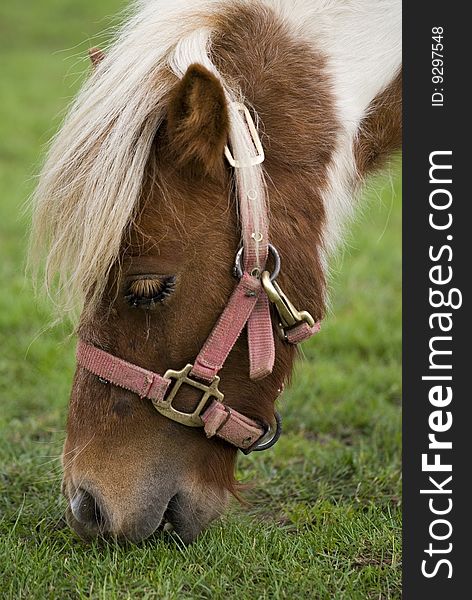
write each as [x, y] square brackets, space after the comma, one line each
[324, 514]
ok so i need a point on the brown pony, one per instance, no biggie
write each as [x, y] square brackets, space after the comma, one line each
[140, 211]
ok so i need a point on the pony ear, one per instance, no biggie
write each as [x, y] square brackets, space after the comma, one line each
[96, 56]
[198, 122]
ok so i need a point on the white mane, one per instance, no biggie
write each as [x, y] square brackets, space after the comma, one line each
[92, 180]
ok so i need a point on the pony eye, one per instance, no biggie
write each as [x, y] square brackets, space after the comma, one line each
[147, 291]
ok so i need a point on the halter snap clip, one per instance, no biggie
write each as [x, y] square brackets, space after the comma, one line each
[289, 316]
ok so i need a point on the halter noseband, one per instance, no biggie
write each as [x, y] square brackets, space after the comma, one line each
[248, 306]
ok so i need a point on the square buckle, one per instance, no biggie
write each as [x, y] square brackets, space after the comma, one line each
[179, 378]
[259, 156]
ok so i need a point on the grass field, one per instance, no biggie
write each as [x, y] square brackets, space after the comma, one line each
[324, 514]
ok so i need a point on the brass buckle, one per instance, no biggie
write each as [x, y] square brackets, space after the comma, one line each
[192, 419]
[289, 316]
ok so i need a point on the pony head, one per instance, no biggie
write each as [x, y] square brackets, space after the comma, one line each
[141, 212]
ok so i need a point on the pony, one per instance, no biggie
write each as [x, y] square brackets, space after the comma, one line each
[208, 129]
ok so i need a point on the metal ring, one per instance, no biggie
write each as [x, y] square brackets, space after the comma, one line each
[266, 444]
[238, 268]
[276, 255]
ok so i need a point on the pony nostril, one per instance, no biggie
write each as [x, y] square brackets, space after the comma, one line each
[86, 509]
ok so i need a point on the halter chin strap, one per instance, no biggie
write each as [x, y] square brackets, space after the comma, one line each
[249, 305]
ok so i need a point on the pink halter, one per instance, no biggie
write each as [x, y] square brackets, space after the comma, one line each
[249, 305]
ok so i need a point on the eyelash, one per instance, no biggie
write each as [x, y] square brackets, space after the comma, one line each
[146, 292]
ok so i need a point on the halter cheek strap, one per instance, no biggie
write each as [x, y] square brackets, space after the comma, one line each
[241, 309]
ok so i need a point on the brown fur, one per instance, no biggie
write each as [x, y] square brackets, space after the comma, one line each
[197, 121]
[96, 56]
[131, 457]
[380, 133]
